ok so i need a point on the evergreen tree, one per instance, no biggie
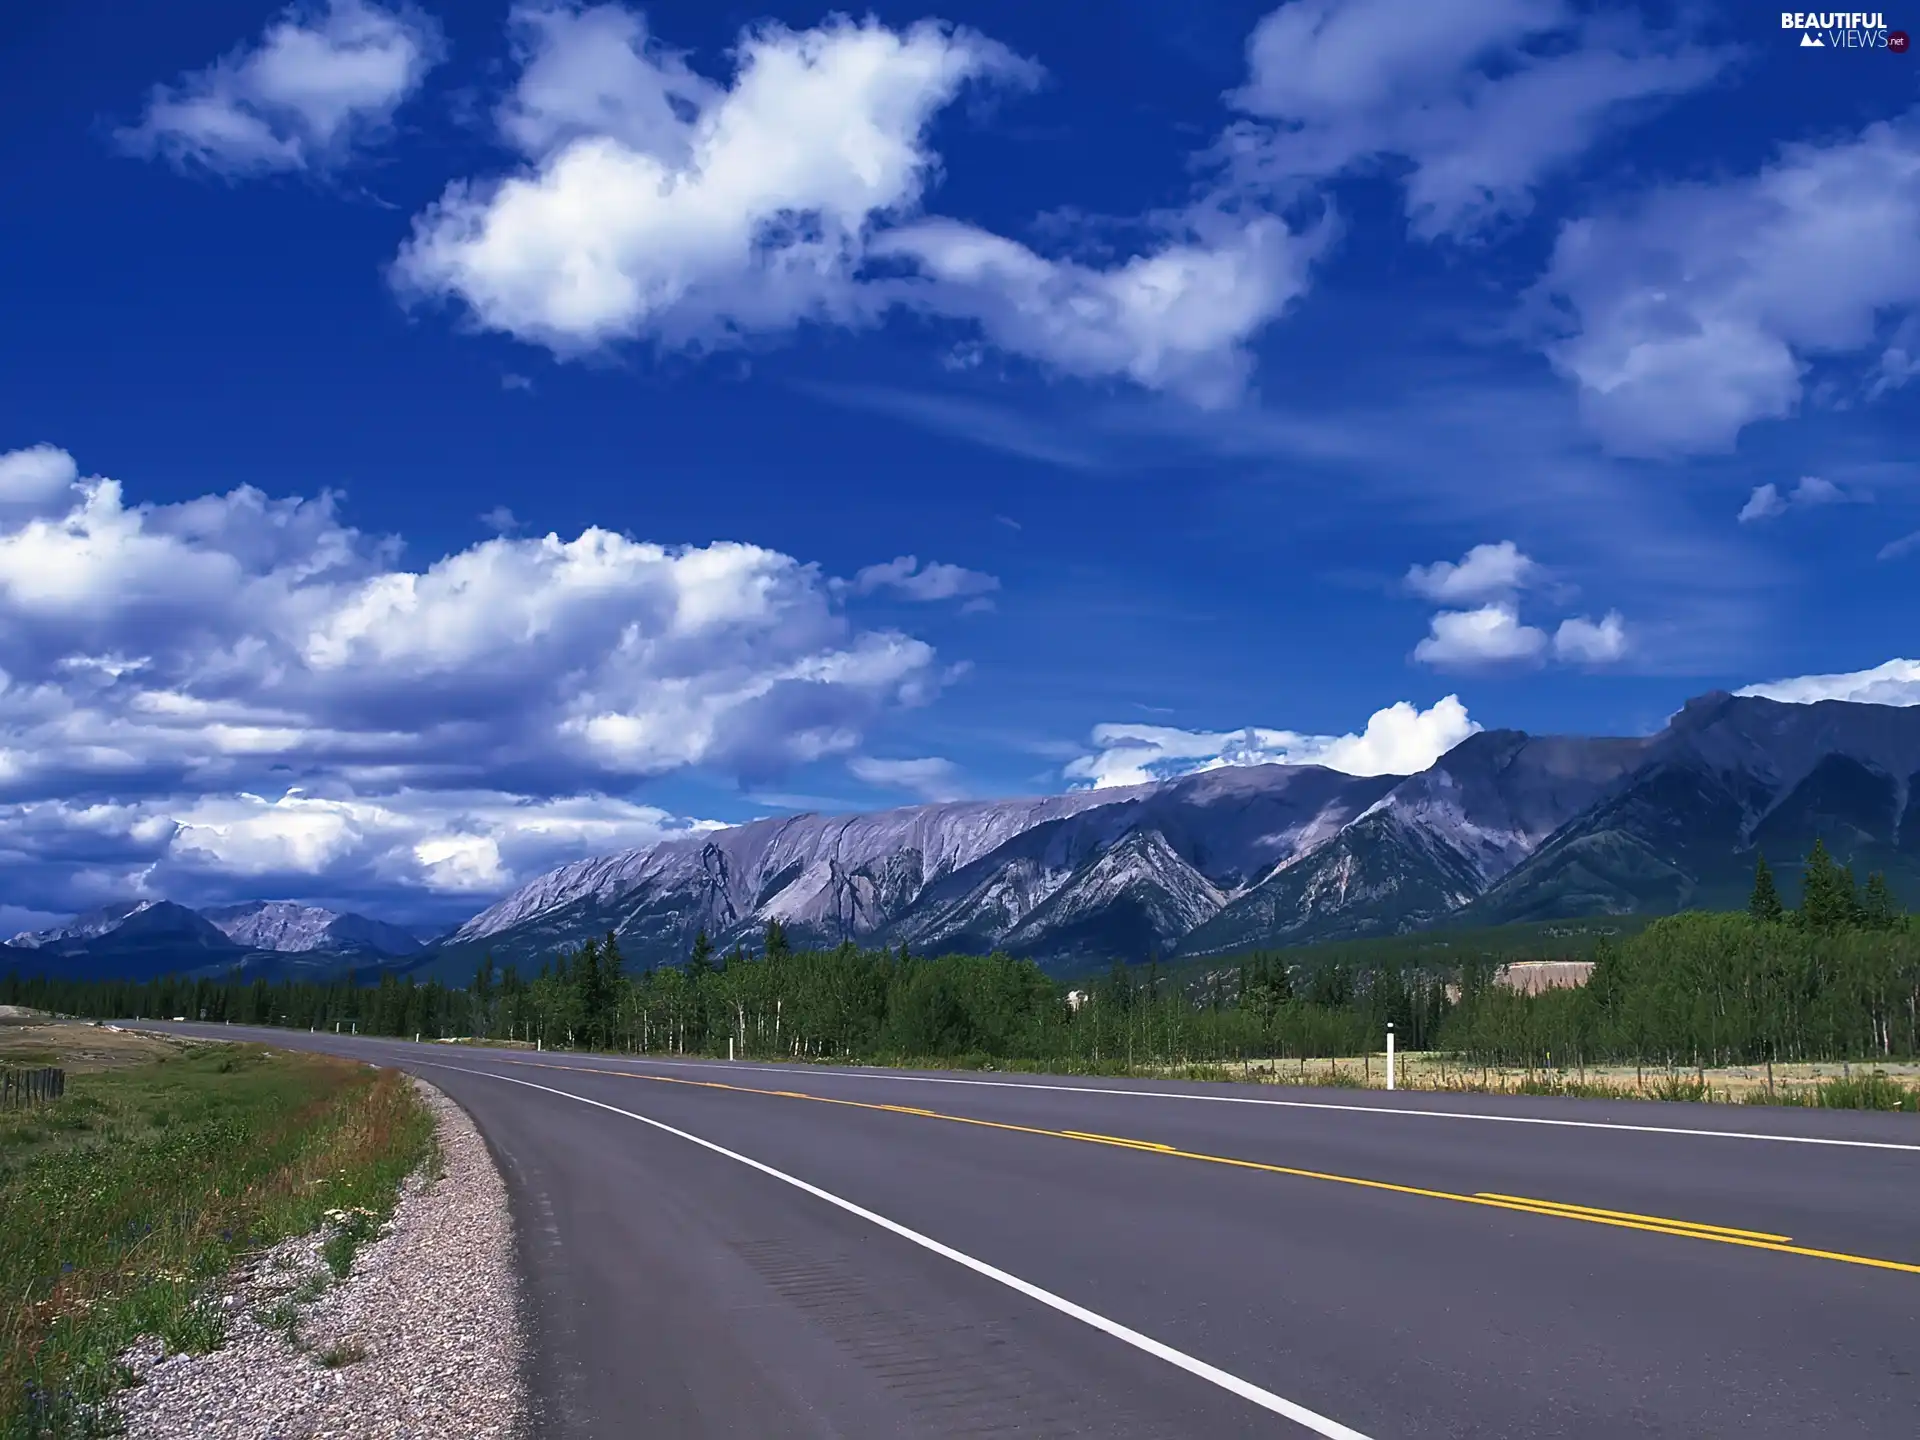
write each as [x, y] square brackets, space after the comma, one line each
[701, 961]
[1765, 905]
[1826, 893]
[1878, 912]
[777, 947]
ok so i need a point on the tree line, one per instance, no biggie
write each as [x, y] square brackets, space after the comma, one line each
[1837, 978]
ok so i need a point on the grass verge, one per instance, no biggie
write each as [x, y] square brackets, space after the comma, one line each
[123, 1204]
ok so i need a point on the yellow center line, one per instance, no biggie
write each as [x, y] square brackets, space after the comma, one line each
[1117, 1140]
[1587, 1211]
[1586, 1214]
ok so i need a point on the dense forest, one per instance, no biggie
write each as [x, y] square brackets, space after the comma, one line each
[1837, 978]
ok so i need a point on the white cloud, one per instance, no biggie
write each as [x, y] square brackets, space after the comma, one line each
[409, 851]
[1485, 572]
[660, 206]
[931, 778]
[657, 205]
[1481, 99]
[906, 576]
[1767, 503]
[1586, 642]
[35, 478]
[317, 85]
[1176, 318]
[1489, 635]
[1812, 490]
[198, 653]
[1895, 683]
[1764, 504]
[1698, 309]
[1895, 549]
[1400, 739]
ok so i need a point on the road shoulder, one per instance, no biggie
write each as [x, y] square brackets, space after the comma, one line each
[424, 1337]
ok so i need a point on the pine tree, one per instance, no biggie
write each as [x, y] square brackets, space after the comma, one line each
[1765, 905]
[1878, 912]
[701, 960]
[1825, 896]
[777, 946]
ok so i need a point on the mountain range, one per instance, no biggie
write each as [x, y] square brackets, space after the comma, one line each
[269, 939]
[1504, 827]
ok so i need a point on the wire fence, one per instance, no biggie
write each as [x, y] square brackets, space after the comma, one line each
[19, 1088]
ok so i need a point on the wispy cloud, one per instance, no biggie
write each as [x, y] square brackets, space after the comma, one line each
[929, 777]
[1768, 502]
[313, 90]
[1897, 549]
[906, 576]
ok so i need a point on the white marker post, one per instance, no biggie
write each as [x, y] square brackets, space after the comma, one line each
[1389, 1055]
[729, 1047]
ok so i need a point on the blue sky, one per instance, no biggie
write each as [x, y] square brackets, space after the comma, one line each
[444, 441]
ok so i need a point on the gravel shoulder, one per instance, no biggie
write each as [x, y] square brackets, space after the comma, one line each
[423, 1339]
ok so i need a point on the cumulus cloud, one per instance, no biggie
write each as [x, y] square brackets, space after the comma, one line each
[427, 853]
[1489, 635]
[1483, 628]
[1485, 572]
[318, 84]
[906, 576]
[931, 778]
[657, 205]
[1895, 549]
[1480, 100]
[1698, 308]
[1400, 739]
[37, 477]
[1588, 642]
[1895, 683]
[157, 661]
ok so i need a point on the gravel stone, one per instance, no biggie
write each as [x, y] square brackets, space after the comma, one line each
[422, 1340]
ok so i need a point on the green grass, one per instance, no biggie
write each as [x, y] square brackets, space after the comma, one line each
[1872, 1091]
[123, 1204]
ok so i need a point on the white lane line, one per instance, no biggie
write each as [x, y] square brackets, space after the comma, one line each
[1233, 1384]
[795, 1070]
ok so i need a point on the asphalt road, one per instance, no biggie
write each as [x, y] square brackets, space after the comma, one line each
[748, 1250]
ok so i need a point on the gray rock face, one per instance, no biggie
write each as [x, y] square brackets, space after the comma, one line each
[290, 928]
[1505, 826]
[1075, 876]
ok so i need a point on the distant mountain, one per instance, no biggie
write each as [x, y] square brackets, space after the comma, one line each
[1075, 878]
[1729, 777]
[267, 939]
[80, 929]
[285, 926]
[131, 942]
[1430, 846]
[1506, 826]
